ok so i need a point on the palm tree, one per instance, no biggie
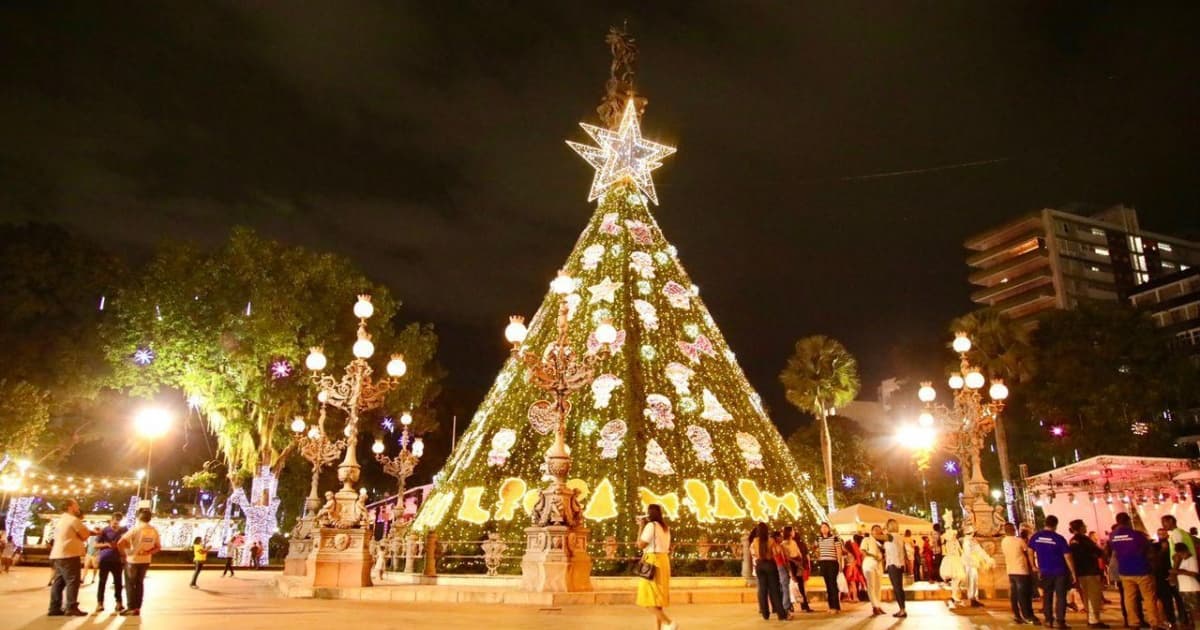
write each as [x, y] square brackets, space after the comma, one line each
[999, 345]
[820, 376]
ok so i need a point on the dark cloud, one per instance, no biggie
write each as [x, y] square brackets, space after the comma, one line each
[424, 139]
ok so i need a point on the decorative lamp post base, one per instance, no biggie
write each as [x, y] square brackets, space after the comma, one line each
[982, 517]
[300, 544]
[340, 558]
[556, 560]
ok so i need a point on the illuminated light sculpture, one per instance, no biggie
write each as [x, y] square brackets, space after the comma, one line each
[260, 510]
[623, 155]
[281, 368]
[669, 501]
[511, 492]
[963, 431]
[603, 504]
[143, 356]
[674, 363]
[471, 510]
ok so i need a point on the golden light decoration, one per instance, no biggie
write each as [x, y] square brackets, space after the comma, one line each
[622, 155]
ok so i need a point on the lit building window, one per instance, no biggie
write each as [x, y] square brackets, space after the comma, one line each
[1097, 231]
[1103, 251]
[1165, 247]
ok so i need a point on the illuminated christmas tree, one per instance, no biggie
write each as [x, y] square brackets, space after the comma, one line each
[670, 418]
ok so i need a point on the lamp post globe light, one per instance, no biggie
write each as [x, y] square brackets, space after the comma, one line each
[354, 393]
[150, 423]
[557, 542]
[963, 430]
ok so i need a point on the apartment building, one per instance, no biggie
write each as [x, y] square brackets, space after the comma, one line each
[1055, 259]
[1173, 301]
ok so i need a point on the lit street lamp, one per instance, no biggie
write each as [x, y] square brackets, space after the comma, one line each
[150, 423]
[355, 393]
[401, 466]
[963, 430]
[559, 371]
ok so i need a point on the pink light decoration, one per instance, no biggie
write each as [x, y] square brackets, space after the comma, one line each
[1058, 430]
[281, 369]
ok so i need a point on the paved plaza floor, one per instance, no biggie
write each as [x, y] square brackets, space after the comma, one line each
[249, 602]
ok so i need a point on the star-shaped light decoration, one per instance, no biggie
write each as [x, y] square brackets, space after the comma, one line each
[281, 368]
[622, 154]
[604, 291]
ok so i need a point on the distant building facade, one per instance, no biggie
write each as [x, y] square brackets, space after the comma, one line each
[1173, 301]
[1055, 259]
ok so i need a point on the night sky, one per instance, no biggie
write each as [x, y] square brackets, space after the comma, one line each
[424, 140]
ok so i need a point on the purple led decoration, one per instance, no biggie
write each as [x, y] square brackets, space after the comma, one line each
[388, 424]
[848, 482]
[281, 368]
[143, 356]
[1058, 430]
[950, 467]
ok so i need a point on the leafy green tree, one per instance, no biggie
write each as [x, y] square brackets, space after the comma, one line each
[1107, 375]
[218, 322]
[820, 376]
[852, 462]
[52, 284]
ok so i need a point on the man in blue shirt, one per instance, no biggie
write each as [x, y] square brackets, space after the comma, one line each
[111, 561]
[1057, 570]
[1131, 548]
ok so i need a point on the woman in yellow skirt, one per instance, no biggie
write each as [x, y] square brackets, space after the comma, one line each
[655, 543]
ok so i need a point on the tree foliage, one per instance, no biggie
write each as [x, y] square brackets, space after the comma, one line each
[852, 460]
[820, 376]
[999, 346]
[51, 284]
[1104, 368]
[218, 320]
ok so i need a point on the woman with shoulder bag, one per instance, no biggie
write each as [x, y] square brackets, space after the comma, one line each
[654, 569]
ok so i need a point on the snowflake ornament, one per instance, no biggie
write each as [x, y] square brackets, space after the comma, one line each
[658, 410]
[644, 287]
[713, 409]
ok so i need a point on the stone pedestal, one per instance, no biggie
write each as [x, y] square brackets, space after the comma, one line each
[994, 581]
[300, 544]
[556, 560]
[340, 558]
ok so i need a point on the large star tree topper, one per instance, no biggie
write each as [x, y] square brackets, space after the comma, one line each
[622, 155]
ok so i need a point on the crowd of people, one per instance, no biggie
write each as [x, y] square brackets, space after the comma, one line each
[1156, 579]
[113, 553]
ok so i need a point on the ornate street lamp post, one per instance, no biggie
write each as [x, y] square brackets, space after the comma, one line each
[401, 466]
[964, 429]
[356, 392]
[556, 555]
[318, 449]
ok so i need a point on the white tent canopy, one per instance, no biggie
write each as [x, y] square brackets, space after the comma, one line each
[1097, 488]
[859, 518]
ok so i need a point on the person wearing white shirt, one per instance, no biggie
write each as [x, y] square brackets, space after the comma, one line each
[140, 544]
[655, 543]
[66, 556]
[1186, 570]
[872, 568]
[1020, 579]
